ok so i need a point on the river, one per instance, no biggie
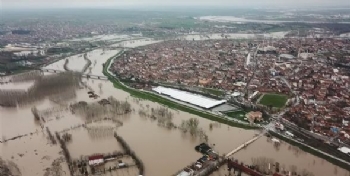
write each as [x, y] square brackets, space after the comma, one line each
[232, 19]
[163, 151]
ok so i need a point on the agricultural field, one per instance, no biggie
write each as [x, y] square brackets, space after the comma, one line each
[274, 100]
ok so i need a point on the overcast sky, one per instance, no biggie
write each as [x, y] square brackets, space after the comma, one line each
[137, 3]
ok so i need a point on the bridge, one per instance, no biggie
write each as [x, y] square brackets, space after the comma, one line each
[222, 160]
[89, 76]
[245, 144]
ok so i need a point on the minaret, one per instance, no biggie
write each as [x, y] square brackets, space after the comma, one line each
[299, 44]
[247, 60]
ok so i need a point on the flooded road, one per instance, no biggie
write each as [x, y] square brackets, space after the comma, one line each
[163, 151]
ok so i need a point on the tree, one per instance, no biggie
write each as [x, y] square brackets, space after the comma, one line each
[192, 124]
[35, 113]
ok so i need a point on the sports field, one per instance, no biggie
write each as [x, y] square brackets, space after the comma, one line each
[240, 115]
[274, 100]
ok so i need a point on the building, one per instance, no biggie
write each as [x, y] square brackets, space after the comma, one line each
[96, 160]
[247, 61]
[345, 150]
[203, 148]
[254, 115]
[186, 172]
[286, 56]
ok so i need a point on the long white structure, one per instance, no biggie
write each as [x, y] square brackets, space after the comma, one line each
[188, 97]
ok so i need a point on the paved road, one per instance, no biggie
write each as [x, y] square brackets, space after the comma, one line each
[256, 67]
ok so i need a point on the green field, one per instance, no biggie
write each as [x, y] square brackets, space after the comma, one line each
[274, 100]
[240, 115]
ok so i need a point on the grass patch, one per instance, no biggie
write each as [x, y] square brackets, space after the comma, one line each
[240, 115]
[169, 103]
[274, 100]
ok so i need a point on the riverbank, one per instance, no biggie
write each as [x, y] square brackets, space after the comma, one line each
[312, 151]
[167, 102]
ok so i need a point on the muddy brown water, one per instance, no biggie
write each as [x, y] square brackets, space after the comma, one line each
[163, 151]
[288, 155]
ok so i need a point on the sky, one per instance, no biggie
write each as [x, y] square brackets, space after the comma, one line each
[148, 3]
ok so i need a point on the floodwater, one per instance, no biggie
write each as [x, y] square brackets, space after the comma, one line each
[244, 20]
[163, 151]
[345, 35]
[98, 58]
[57, 65]
[111, 37]
[76, 62]
[17, 85]
[232, 36]
[136, 43]
[288, 155]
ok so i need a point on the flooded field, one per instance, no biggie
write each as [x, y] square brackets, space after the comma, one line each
[231, 36]
[136, 43]
[163, 149]
[98, 58]
[17, 85]
[345, 35]
[76, 63]
[57, 65]
[234, 19]
[111, 37]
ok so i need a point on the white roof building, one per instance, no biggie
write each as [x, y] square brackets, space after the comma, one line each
[236, 94]
[344, 150]
[95, 162]
[188, 97]
[184, 173]
[287, 56]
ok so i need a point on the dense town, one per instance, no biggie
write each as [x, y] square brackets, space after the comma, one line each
[304, 69]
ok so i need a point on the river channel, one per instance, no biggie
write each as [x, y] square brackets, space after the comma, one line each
[163, 151]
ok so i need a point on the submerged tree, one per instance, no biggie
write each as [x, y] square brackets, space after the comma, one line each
[35, 113]
[192, 125]
[67, 137]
